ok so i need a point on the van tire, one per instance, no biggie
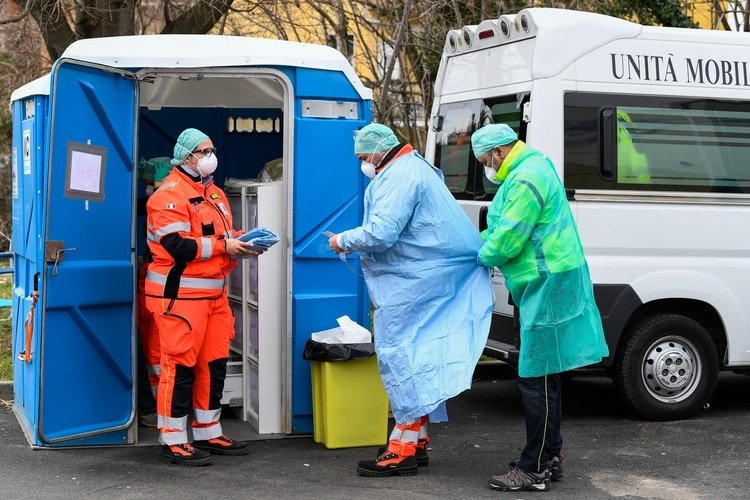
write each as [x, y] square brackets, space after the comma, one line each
[667, 367]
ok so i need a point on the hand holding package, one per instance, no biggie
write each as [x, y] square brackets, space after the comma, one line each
[260, 237]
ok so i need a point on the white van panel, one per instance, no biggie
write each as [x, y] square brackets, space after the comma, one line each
[666, 64]
[686, 255]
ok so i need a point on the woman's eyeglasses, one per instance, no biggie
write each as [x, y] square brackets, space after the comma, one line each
[205, 151]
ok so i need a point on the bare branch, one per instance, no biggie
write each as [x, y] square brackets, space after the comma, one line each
[26, 11]
[396, 49]
[457, 11]
[200, 18]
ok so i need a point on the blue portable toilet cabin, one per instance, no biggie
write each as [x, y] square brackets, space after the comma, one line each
[78, 135]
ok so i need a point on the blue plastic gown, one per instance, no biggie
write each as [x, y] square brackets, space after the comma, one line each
[433, 301]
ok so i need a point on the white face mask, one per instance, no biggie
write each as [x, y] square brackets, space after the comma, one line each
[368, 169]
[490, 172]
[207, 165]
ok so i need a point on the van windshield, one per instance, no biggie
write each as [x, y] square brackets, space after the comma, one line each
[464, 175]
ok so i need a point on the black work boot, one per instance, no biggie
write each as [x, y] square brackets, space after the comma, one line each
[421, 457]
[222, 445]
[388, 464]
[184, 454]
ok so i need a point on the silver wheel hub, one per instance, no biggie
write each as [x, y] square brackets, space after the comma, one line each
[671, 369]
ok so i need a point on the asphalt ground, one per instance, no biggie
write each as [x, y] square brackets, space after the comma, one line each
[608, 454]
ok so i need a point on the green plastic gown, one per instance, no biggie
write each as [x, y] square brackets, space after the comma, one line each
[532, 238]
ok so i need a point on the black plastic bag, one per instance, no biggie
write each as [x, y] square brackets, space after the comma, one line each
[319, 351]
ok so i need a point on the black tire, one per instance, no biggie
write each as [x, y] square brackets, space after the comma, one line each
[666, 368]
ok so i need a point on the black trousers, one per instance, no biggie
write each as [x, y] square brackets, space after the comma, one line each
[541, 402]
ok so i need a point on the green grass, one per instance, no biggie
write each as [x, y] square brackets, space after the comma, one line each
[6, 355]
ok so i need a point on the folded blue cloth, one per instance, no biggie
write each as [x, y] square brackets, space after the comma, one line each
[260, 237]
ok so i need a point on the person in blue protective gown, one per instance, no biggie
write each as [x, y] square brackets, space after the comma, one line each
[433, 301]
[532, 238]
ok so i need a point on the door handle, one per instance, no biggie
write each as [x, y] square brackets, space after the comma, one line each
[57, 256]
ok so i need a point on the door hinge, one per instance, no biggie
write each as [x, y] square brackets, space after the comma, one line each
[52, 250]
[53, 253]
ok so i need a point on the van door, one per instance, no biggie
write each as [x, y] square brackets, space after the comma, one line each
[87, 279]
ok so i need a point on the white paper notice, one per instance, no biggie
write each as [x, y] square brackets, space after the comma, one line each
[85, 172]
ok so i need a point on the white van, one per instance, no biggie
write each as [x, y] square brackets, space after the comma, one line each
[649, 128]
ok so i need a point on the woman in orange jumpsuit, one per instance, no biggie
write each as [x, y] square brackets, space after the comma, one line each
[193, 244]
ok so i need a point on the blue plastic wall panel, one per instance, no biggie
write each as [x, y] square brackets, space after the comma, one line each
[86, 352]
[324, 84]
[27, 161]
[328, 196]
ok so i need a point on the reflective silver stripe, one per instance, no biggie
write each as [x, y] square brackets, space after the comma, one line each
[177, 423]
[172, 228]
[404, 435]
[229, 234]
[168, 185]
[178, 436]
[154, 370]
[207, 248]
[206, 433]
[202, 283]
[207, 416]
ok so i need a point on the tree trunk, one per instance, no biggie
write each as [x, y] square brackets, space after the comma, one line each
[200, 18]
[403, 27]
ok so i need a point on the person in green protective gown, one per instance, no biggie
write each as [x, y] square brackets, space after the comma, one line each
[532, 238]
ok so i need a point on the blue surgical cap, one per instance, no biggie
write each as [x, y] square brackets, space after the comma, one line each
[186, 144]
[489, 136]
[374, 138]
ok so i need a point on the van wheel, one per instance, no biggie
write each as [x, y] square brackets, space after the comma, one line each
[667, 367]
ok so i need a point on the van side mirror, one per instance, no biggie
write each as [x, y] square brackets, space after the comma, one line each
[437, 123]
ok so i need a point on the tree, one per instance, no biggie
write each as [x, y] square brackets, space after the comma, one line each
[61, 22]
[731, 15]
[660, 12]
[33, 33]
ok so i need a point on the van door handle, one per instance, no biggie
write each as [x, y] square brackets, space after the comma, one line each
[483, 218]
[607, 144]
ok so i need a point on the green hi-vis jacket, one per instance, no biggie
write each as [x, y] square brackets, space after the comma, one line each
[532, 238]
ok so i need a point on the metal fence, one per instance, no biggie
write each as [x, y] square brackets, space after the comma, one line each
[9, 269]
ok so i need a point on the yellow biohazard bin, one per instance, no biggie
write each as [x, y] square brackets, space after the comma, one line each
[350, 407]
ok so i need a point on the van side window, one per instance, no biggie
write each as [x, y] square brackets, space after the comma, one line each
[626, 142]
[464, 176]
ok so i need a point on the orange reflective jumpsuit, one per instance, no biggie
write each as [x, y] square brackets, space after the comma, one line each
[185, 288]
